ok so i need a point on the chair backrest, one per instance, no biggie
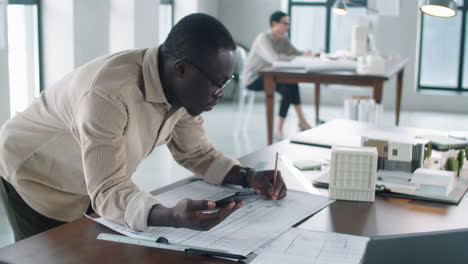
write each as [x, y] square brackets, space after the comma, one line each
[241, 55]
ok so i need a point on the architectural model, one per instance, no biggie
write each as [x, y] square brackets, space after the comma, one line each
[397, 154]
[353, 173]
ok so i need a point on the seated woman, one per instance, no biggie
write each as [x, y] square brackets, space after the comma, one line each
[268, 47]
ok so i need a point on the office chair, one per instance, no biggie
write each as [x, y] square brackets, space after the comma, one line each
[245, 95]
[242, 139]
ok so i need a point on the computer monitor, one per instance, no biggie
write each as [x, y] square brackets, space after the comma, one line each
[434, 247]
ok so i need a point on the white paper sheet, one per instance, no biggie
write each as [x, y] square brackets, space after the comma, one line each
[316, 64]
[296, 179]
[310, 247]
[251, 226]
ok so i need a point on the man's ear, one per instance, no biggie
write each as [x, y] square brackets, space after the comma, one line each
[179, 68]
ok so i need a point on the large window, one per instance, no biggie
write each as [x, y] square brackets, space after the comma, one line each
[166, 18]
[443, 56]
[315, 27]
[23, 52]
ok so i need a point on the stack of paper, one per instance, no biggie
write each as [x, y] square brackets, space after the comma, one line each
[363, 109]
[312, 64]
[251, 226]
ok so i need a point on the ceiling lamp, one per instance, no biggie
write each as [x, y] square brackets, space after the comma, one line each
[339, 8]
[439, 8]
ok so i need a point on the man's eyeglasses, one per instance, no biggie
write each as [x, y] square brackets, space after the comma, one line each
[285, 23]
[220, 86]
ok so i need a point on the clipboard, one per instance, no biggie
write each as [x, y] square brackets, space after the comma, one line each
[163, 243]
[398, 188]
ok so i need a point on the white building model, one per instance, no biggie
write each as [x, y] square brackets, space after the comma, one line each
[353, 174]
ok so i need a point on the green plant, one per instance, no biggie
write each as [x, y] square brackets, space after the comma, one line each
[428, 151]
[466, 153]
[447, 166]
[461, 158]
[452, 165]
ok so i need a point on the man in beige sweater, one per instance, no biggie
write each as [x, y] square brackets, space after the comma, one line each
[77, 146]
[270, 46]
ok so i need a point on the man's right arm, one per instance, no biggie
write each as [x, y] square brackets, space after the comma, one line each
[99, 126]
[293, 51]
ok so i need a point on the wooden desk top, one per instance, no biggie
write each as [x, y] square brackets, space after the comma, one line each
[76, 242]
[392, 67]
[387, 215]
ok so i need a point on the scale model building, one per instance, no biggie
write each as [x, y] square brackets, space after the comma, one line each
[353, 174]
[398, 154]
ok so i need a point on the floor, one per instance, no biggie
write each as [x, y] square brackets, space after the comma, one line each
[225, 132]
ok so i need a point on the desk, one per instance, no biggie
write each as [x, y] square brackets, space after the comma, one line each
[272, 76]
[76, 242]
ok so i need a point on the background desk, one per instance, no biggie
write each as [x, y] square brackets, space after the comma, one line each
[76, 242]
[272, 76]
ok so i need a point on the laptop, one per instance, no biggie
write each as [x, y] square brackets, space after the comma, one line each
[434, 247]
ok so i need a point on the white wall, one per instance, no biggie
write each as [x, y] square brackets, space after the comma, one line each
[77, 31]
[133, 24]
[209, 7]
[57, 39]
[4, 85]
[91, 29]
[183, 8]
[246, 18]
[122, 16]
[146, 24]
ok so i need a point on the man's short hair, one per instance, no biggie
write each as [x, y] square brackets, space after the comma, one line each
[196, 36]
[276, 16]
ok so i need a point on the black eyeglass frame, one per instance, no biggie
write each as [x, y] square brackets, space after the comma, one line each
[199, 69]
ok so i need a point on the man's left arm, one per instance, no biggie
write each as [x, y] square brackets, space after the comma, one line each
[190, 148]
[258, 180]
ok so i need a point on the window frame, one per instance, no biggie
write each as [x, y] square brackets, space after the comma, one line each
[459, 89]
[328, 4]
[39, 35]
[171, 3]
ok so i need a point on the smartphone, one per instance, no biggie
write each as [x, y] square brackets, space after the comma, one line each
[235, 197]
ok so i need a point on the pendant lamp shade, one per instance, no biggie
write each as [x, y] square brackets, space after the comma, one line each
[439, 8]
[339, 8]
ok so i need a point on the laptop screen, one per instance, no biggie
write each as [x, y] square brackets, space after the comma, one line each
[434, 247]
